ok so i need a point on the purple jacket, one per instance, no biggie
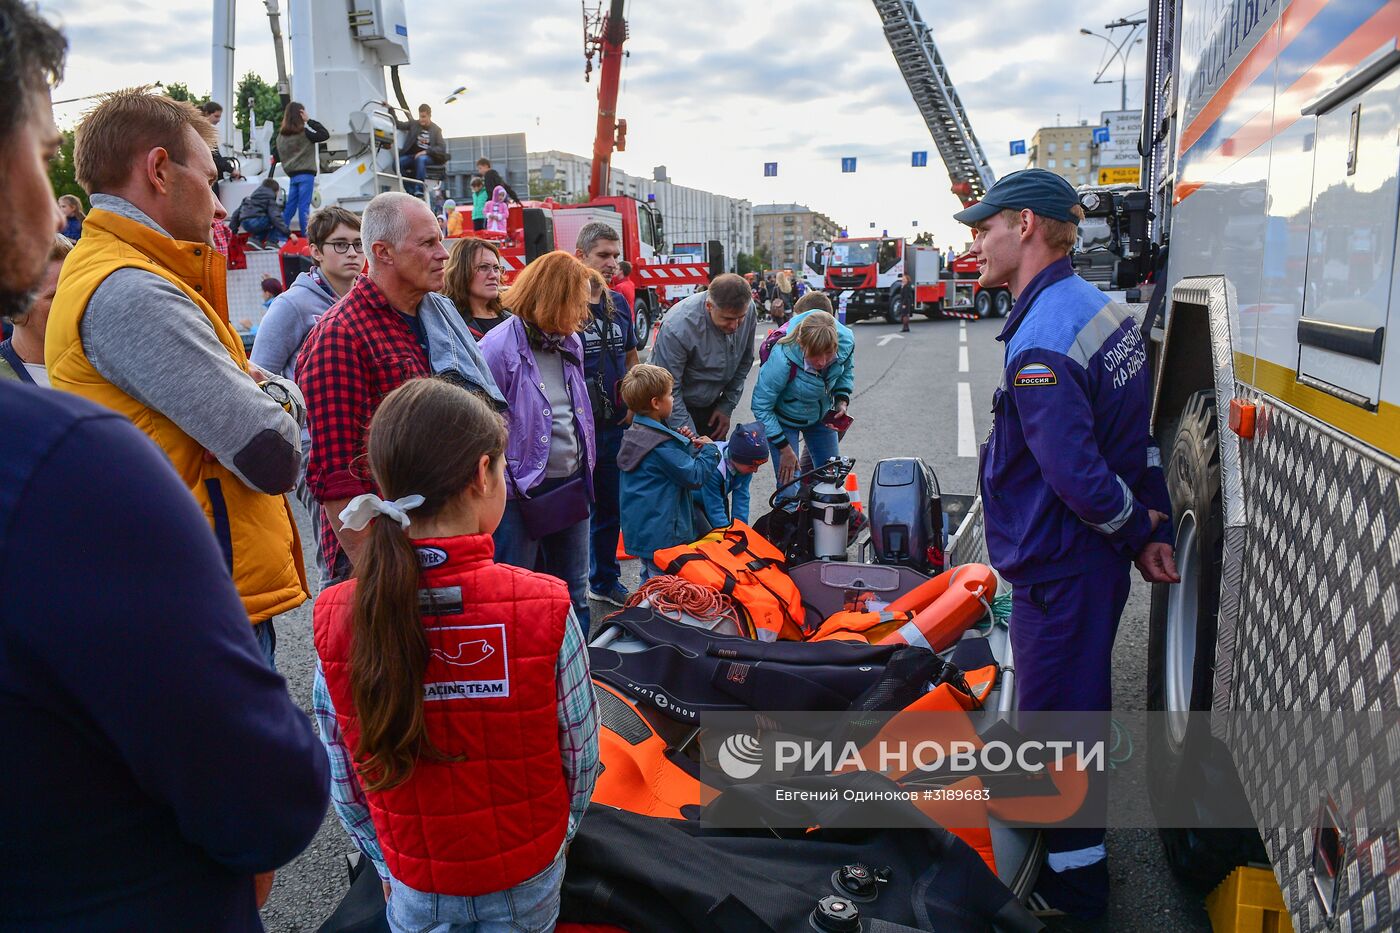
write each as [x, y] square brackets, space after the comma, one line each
[528, 420]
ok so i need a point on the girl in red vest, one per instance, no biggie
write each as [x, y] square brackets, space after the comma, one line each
[452, 692]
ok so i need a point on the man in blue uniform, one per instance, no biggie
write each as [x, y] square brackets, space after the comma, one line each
[1071, 481]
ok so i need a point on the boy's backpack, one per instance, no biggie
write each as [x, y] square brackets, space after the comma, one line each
[742, 564]
[765, 349]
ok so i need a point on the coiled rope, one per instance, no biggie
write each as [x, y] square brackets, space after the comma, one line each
[672, 595]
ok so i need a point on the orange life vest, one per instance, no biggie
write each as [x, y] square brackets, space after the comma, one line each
[742, 564]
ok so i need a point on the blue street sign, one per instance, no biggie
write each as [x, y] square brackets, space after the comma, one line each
[919, 159]
[770, 169]
[1018, 147]
[848, 164]
[1100, 134]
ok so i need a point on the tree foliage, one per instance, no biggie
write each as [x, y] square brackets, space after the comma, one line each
[62, 174]
[179, 90]
[924, 239]
[758, 261]
[267, 104]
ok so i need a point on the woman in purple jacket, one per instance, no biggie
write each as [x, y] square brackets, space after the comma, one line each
[536, 358]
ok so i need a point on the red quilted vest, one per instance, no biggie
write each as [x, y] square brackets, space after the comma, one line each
[498, 816]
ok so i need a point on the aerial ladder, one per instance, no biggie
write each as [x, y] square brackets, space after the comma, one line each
[604, 36]
[914, 51]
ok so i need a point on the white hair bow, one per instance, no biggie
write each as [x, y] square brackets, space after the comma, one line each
[362, 510]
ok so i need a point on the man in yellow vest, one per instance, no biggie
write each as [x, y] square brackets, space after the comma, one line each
[140, 324]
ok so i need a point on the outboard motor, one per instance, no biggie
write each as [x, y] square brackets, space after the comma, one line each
[906, 515]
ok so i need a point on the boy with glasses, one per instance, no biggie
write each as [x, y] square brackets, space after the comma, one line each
[339, 255]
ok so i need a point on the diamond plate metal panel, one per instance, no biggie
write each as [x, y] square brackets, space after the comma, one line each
[1318, 630]
[1216, 295]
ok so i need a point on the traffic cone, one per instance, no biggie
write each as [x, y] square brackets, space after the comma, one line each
[858, 521]
[622, 549]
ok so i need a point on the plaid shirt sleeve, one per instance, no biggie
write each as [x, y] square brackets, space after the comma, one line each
[346, 793]
[578, 721]
[335, 385]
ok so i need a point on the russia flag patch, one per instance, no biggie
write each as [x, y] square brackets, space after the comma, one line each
[1034, 374]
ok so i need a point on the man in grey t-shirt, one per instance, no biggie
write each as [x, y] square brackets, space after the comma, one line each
[706, 343]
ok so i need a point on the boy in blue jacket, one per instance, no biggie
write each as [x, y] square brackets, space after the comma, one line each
[660, 469]
[725, 495]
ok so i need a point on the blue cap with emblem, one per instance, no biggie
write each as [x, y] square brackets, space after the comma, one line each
[1035, 189]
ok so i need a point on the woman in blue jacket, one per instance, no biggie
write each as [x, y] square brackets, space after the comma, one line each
[810, 374]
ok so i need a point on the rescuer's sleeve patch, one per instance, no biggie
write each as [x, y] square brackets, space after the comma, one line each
[1034, 374]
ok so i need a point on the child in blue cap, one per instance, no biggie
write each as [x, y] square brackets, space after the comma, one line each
[725, 495]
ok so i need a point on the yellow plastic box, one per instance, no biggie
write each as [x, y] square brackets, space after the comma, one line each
[1248, 901]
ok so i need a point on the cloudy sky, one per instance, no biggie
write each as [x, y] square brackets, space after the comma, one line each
[711, 90]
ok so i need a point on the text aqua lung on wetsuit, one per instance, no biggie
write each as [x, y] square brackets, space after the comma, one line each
[1029, 755]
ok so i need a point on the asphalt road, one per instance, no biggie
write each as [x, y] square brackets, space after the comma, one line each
[925, 394]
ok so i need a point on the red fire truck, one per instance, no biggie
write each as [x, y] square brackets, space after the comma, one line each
[862, 272]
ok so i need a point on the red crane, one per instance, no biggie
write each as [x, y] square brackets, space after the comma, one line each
[604, 36]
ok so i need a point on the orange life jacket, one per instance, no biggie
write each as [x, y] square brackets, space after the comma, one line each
[742, 564]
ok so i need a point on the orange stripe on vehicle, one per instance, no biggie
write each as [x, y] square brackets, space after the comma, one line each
[1264, 126]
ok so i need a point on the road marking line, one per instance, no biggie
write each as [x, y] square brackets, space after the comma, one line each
[962, 359]
[967, 447]
[962, 336]
[888, 337]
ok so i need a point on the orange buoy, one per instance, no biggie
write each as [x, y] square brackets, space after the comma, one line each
[966, 595]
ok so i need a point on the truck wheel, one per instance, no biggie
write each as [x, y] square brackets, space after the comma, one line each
[1002, 302]
[642, 321]
[892, 313]
[982, 305]
[1190, 772]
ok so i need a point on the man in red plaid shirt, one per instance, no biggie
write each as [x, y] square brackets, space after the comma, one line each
[389, 328]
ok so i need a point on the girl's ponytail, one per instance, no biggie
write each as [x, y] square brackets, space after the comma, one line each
[427, 438]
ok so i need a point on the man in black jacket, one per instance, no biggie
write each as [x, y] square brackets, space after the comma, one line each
[491, 178]
[425, 143]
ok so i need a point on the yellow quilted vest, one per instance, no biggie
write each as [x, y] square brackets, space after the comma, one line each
[256, 532]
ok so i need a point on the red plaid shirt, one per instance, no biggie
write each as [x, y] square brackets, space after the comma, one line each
[359, 352]
[221, 237]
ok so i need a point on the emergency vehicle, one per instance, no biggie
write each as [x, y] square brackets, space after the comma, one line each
[1273, 167]
[864, 272]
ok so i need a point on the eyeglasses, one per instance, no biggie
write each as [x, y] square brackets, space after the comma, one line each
[486, 268]
[344, 246]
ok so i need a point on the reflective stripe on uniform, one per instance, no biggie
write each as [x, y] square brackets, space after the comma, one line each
[1076, 858]
[1121, 519]
[1154, 456]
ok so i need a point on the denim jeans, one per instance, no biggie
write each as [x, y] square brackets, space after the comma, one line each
[531, 906]
[266, 637]
[822, 443]
[299, 201]
[605, 523]
[414, 166]
[563, 554]
[649, 569]
[261, 228]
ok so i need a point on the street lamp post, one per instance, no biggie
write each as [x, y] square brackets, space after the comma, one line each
[1121, 50]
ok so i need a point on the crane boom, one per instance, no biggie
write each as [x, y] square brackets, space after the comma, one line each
[605, 36]
[923, 69]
